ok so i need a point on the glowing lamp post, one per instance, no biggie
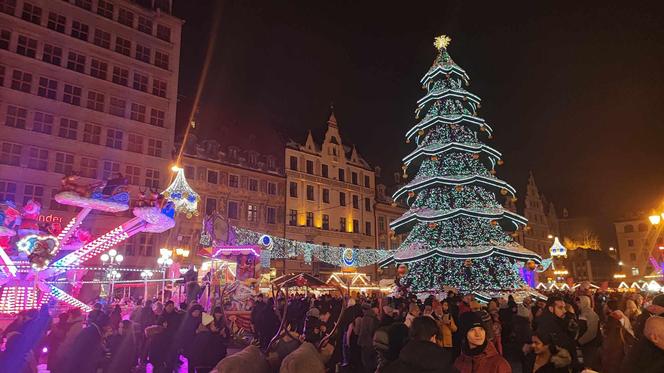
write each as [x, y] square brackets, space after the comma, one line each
[146, 275]
[112, 258]
[164, 262]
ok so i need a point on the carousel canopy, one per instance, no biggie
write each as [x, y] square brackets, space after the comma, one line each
[298, 279]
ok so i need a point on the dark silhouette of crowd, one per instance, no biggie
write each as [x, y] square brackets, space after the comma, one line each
[562, 332]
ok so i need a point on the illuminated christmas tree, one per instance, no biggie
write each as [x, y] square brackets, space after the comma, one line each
[460, 233]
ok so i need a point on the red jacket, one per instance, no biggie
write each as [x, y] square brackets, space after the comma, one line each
[489, 361]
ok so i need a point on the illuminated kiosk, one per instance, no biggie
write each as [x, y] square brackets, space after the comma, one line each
[33, 256]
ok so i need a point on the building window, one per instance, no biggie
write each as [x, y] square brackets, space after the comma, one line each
[210, 205]
[233, 181]
[152, 178]
[310, 219]
[95, 101]
[11, 154]
[72, 95]
[367, 181]
[356, 226]
[630, 243]
[326, 222]
[76, 62]
[120, 76]
[47, 88]
[292, 189]
[310, 167]
[635, 271]
[133, 174]
[38, 158]
[159, 87]
[310, 192]
[233, 210]
[110, 170]
[293, 163]
[326, 195]
[98, 69]
[21, 81]
[252, 212]
[33, 192]
[89, 167]
[342, 224]
[16, 117]
[143, 53]
[134, 143]
[367, 204]
[212, 177]
[324, 170]
[32, 13]
[122, 46]
[56, 22]
[629, 228]
[117, 107]
[271, 215]
[381, 224]
[353, 178]
[85, 4]
[367, 228]
[8, 6]
[356, 202]
[5, 38]
[163, 33]
[342, 175]
[7, 191]
[138, 112]
[126, 17]
[91, 133]
[270, 162]
[342, 199]
[140, 82]
[69, 129]
[272, 189]
[292, 218]
[52, 54]
[43, 123]
[102, 39]
[145, 25]
[161, 60]
[105, 9]
[253, 185]
[154, 147]
[157, 117]
[80, 30]
[146, 245]
[64, 163]
[26, 46]
[114, 138]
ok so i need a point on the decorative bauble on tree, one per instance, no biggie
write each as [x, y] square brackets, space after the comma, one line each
[466, 247]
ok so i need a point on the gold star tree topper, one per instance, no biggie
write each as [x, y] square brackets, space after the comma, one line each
[441, 41]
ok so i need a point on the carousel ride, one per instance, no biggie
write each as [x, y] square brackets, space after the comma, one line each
[33, 254]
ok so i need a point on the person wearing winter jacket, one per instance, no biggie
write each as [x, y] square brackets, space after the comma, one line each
[647, 356]
[618, 338]
[546, 357]
[421, 354]
[446, 324]
[478, 355]
[591, 339]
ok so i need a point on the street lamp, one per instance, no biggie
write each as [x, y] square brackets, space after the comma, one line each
[112, 258]
[164, 262]
[146, 274]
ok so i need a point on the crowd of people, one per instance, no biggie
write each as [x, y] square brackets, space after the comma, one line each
[566, 332]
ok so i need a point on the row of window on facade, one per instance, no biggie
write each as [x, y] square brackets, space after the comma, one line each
[72, 94]
[67, 128]
[236, 181]
[107, 9]
[252, 211]
[325, 196]
[325, 222]
[65, 163]
[324, 172]
[629, 228]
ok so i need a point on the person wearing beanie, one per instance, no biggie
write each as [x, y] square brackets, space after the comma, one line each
[421, 354]
[656, 308]
[477, 354]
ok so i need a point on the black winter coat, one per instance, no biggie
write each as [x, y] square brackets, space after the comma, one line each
[421, 357]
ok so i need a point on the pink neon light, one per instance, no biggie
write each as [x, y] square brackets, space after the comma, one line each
[236, 249]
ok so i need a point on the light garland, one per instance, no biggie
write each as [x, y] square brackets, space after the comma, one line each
[181, 194]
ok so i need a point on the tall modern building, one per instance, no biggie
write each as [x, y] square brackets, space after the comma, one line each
[330, 196]
[87, 86]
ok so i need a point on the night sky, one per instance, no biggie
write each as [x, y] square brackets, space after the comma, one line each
[573, 90]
